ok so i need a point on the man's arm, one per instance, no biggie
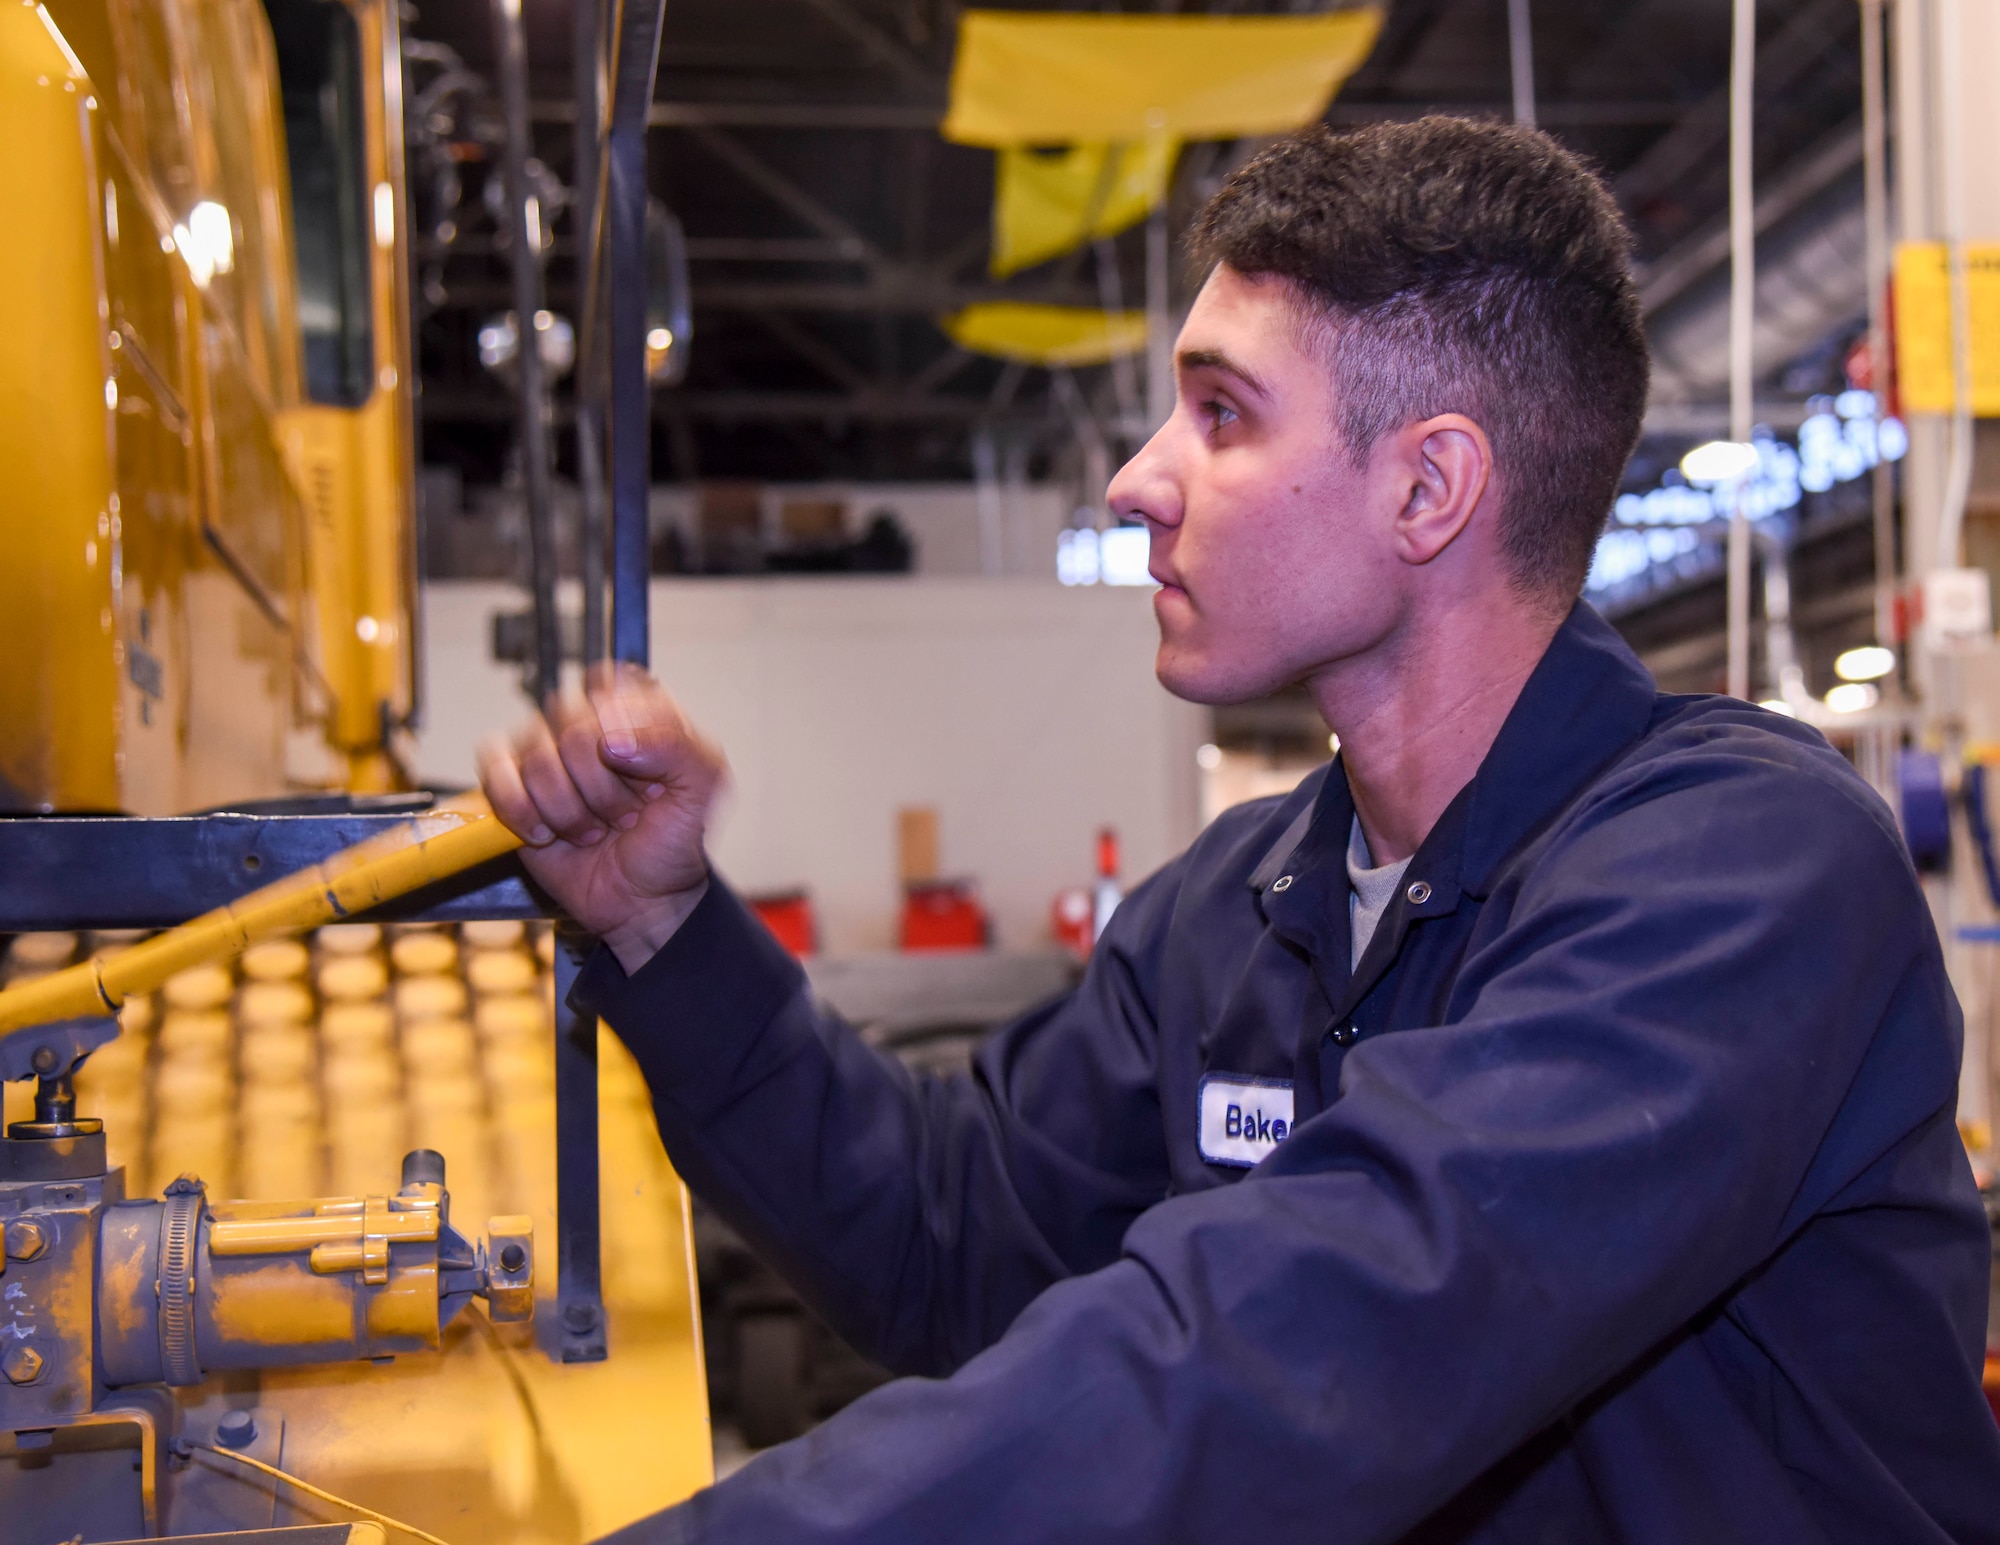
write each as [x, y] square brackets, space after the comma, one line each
[1494, 1219]
[918, 1216]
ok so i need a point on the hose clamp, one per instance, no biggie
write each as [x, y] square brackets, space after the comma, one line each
[180, 1233]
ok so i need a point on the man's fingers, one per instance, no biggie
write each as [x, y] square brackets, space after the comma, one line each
[645, 739]
[577, 732]
[500, 775]
[553, 791]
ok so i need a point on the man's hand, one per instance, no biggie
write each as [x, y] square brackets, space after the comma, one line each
[612, 792]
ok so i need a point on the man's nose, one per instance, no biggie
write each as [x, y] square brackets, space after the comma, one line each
[1145, 486]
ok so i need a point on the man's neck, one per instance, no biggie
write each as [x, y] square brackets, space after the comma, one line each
[1417, 716]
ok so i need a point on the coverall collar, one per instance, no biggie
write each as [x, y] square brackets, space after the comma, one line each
[1587, 700]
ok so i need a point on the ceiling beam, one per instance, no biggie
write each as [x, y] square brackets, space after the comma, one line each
[747, 405]
[1813, 29]
[863, 116]
[788, 195]
[766, 115]
[1679, 269]
[896, 293]
[869, 407]
[878, 45]
[827, 360]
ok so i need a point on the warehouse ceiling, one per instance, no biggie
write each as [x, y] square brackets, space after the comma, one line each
[828, 225]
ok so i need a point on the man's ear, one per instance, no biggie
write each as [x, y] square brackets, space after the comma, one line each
[1446, 463]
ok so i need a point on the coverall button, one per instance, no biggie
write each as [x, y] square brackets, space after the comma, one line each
[1346, 1035]
[1419, 893]
[1282, 883]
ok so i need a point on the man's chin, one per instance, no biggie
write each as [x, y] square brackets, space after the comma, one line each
[1208, 682]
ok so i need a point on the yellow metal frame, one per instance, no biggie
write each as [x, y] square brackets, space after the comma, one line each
[452, 838]
[357, 468]
[199, 561]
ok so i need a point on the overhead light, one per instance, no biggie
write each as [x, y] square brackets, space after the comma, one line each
[555, 340]
[660, 339]
[1209, 757]
[1718, 461]
[1852, 697]
[1779, 705]
[1871, 662]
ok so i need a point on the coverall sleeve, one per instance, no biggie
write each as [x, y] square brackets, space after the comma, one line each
[1626, 1114]
[919, 1216]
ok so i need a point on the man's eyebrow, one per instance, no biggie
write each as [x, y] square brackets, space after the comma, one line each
[1215, 359]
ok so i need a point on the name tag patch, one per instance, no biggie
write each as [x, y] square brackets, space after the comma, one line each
[1242, 1119]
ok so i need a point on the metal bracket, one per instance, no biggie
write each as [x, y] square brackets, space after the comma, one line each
[579, 1233]
[54, 1049]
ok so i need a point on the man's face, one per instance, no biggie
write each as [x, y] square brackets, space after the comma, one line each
[1272, 549]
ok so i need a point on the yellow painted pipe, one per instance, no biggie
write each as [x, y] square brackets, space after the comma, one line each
[454, 837]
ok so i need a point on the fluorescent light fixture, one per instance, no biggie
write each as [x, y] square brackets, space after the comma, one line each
[1852, 697]
[1718, 461]
[1871, 662]
[1779, 705]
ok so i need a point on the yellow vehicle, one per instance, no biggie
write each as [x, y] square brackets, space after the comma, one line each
[204, 403]
[206, 597]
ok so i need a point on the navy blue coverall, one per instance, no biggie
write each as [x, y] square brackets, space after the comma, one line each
[1621, 1197]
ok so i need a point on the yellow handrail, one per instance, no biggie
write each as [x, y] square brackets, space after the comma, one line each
[442, 842]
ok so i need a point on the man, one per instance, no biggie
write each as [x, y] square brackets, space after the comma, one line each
[1537, 1127]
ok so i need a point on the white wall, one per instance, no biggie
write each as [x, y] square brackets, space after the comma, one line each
[1026, 712]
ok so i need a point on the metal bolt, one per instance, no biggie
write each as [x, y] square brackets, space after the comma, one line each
[513, 1258]
[237, 1429]
[22, 1365]
[27, 1238]
[579, 1317]
[45, 1059]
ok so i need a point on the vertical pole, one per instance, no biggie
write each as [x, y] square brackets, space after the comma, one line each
[524, 224]
[1521, 56]
[587, 48]
[579, 1272]
[1159, 331]
[986, 485]
[1875, 221]
[1124, 380]
[1951, 205]
[590, 522]
[631, 408]
[1742, 295]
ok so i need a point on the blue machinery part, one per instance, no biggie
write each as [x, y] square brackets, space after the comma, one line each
[1926, 809]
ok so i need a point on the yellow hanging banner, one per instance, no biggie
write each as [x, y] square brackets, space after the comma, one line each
[1050, 201]
[1046, 335]
[1925, 375]
[1050, 78]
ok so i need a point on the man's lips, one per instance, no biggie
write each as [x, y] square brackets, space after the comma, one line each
[1166, 579]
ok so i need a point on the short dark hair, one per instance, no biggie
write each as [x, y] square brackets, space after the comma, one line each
[1462, 267]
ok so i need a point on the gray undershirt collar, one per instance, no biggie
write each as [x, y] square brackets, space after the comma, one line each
[1373, 891]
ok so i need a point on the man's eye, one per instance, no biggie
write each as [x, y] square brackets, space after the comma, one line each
[1219, 414]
